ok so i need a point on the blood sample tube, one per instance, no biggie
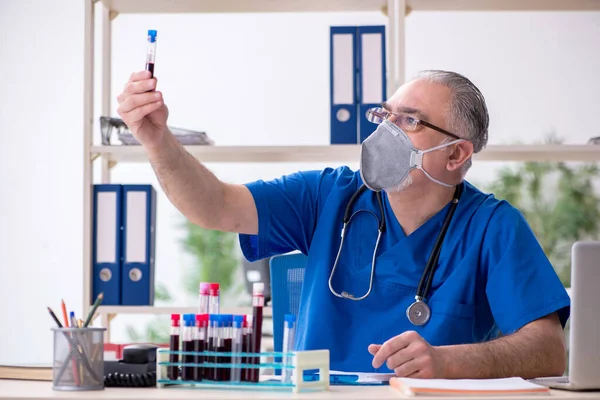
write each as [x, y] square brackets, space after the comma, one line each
[289, 333]
[189, 322]
[248, 342]
[200, 344]
[151, 52]
[203, 292]
[212, 332]
[236, 347]
[245, 342]
[213, 298]
[227, 345]
[218, 347]
[258, 303]
[173, 370]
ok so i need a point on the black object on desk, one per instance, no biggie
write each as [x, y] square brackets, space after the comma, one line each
[136, 369]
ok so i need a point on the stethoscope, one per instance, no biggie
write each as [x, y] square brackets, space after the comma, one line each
[418, 313]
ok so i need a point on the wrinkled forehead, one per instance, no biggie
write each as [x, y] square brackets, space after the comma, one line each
[429, 100]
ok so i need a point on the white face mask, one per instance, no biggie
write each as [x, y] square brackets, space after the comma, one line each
[388, 156]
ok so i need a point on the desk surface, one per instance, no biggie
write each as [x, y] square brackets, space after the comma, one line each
[14, 389]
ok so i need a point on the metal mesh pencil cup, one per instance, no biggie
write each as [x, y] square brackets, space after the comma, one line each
[78, 359]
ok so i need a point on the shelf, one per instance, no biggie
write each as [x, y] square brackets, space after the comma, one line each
[244, 6]
[116, 310]
[346, 153]
[246, 154]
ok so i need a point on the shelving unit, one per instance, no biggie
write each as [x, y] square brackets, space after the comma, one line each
[396, 12]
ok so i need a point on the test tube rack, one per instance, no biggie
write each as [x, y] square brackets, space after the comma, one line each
[299, 362]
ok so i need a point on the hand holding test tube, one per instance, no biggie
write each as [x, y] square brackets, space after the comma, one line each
[141, 106]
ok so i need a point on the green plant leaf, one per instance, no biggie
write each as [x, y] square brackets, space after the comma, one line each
[215, 258]
[558, 216]
[161, 293]
[132, 334]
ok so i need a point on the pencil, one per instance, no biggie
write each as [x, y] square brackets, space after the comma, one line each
[93, 310]
[64, 311]
[54, 316]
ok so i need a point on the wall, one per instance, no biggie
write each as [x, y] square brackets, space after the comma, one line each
[258, 80]
[41, 74]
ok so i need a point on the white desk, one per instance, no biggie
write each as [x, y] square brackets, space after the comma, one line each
[13, 389]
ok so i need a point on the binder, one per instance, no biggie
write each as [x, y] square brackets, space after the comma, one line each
[342, 72]
[106, 247]
[372, 81]
[139, 237]
[357, 80]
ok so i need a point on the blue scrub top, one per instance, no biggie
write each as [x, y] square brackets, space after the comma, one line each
[492, 274]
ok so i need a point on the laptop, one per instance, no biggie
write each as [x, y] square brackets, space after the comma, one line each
[584, 339]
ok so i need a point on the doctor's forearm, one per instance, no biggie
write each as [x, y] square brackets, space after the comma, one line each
[198, 193]
[534, 351]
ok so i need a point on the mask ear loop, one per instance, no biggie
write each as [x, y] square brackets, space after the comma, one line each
[416, 160]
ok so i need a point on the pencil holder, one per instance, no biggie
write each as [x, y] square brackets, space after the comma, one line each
[78, 355]
[227, 370]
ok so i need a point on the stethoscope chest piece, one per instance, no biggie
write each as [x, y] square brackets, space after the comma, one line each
[418, 313]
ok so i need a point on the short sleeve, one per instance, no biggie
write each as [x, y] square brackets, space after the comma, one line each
[522, 285]
[288, 209]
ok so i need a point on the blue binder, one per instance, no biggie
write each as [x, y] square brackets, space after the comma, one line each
[372, 80]
[106, 246]
[357, 80]
[139, 236]
[342, 72]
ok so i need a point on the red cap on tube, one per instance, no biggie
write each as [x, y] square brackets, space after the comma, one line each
[175, 319]
[214, 289]
[201, 318]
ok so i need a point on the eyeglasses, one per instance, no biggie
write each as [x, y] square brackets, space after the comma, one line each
[404, 121]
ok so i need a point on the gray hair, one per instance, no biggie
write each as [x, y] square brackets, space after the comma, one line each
[467, 115]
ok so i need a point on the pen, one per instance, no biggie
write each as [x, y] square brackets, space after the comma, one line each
[73, 320]
[350, 379]
[333, 378]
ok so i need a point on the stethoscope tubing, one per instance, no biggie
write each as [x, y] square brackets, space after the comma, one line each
[418, 312]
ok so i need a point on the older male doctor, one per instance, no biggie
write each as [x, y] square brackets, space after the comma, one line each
[410, 267]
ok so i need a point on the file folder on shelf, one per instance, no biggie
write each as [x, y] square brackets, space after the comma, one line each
[139, 236]
[372, 82]
[342, 71]
[106, 248]
[357, 80]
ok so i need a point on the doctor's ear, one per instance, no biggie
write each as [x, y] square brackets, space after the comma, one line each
[460, 153]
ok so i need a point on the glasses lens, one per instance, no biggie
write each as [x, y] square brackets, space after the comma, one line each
[406, 122]
[376, 115]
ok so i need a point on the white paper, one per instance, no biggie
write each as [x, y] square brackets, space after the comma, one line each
[372, 79]
[343, 69]
[504, 384]
[136, 228]
[106, 227]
